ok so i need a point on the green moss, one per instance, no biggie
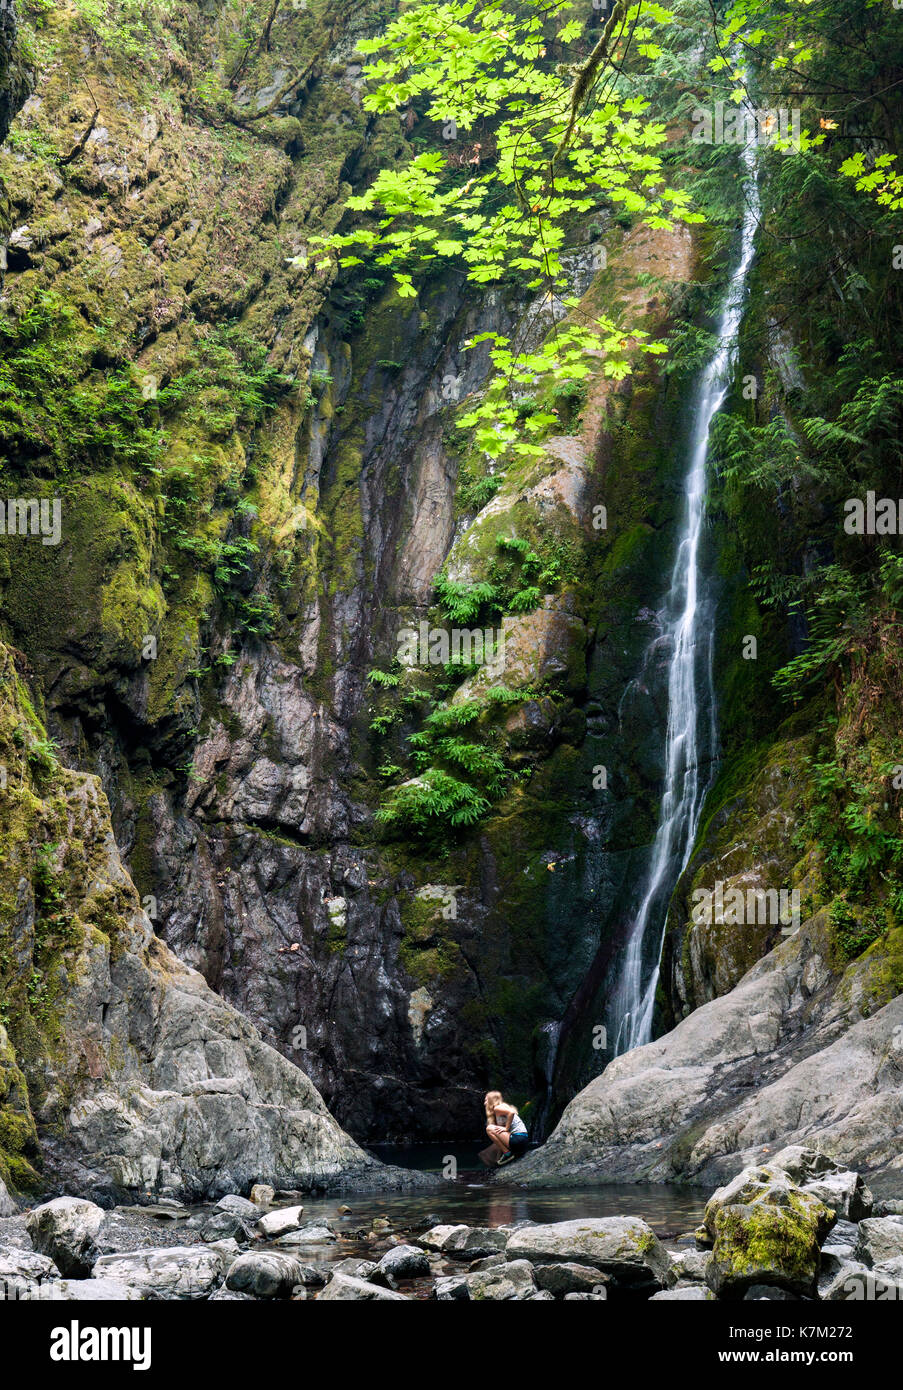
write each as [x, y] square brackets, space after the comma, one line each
[761, 1239]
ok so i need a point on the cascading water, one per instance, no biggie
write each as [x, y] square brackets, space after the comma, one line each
[690, 673]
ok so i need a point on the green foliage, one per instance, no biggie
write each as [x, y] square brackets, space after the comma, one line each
[384, 679]
[563, 139]
[49, 403]
[435, 800]
[853, 931]
[228, 384]
[461, 602]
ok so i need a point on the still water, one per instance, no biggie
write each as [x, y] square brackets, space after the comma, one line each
[469, 1197]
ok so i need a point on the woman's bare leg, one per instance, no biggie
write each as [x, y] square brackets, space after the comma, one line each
[499, 1136]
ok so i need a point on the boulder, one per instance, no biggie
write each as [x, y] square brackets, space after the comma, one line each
[307, 1235]
[239, 1206]
[692, 1265]
[682, 1107]
[225, 1225]
[687, 1293]
[845, 1192]
[262, 1195]
[228, 1249]
[854, 1282]
[345, 1288]
[405, 1262]
[436, 1237]
[358, 1269]
[7, 1205]
[96, 1291]
[802, 1164]
[65, 1229]
[487, 1262]
[453, 1287]
[769, 1185]
[761, 1243]
[560, 1279]
[473, 1242]
[503, 1283]
[265, 1274]
[880, 1239]
[171, 1272]
[279, 1222]
[845, 1233]
[623, 1247]
[24, 1272]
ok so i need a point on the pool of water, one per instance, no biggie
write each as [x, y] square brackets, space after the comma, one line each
[467, 1196]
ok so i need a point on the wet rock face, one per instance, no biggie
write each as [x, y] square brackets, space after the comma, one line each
[153, 1082]
[241, 770]
[15, 80]
[766, 1065]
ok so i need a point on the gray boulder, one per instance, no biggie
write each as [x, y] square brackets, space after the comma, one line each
[239, 1206]
[7, 1205]
[692, 1265]
[437, 1236]
[66, 1230]
[683, 1106]
[307, 1235]
[280, 1222]
[623, 1247]
[342, 1287]
[513, 1280]
[768, 1185]
[358, 1269]
[854, 1282]
[560, 1279]
[487, 1262]
[845, 1192]
[170, 1272]
[225, 1225]
[404, 1262]
[452, 1288]
[96, 1291]
[688, 1293]
[474, 1242]
[880, 1239]
[24, 1272]
[803, 1164]
[265, 1274]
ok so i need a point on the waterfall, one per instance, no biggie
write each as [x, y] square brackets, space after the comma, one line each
[690, 673]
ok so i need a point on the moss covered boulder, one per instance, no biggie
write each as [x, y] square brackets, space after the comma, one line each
[762, 1244]
[765, 1230]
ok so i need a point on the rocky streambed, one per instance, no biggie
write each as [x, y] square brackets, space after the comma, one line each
[799, 1227]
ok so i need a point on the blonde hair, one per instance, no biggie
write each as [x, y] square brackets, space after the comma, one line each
[490, 1100]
